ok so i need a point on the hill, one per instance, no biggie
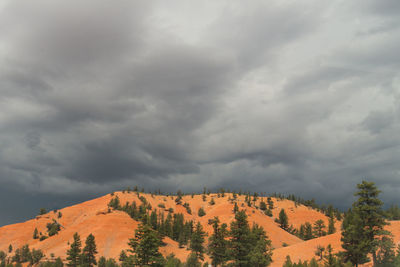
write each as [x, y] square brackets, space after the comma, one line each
[112, 228]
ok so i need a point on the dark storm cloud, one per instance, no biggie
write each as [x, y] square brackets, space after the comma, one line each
[284, 97]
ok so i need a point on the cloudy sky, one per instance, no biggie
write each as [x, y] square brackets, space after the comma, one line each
[273, 96]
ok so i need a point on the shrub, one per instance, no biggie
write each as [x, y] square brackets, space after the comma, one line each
[201, 212]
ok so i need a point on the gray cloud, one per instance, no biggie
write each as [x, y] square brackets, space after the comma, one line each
[284, 97]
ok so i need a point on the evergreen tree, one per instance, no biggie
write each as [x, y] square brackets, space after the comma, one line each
[364, 224]
[261, 252]
[385, 255]
[201, 212]
[145, 247]
[369, 208]
[308, 232]
[283, 220]
[89, 252]
[217, 243]
[172, 261]
[36, 256]
[319, 227]
[270, 203]
[35, 234]
[240, 239]
[320, 252]
[74, 253]
[331, 225]
[235, 208]
[197, 241]
[352, 235]
[192, 260]
[102, 262]
[288, 262]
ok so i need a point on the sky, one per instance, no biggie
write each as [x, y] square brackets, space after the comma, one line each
[270, 96]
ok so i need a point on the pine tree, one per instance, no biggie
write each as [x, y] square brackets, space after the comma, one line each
[355, 250]
[331, 225]
[385, 255]
[369, 208]
[74, 253]
[192, 261]
[201, 212]
[217, 243]
[89, 252]
[319, 227]
[270, 203]
[35, 234]
[197, 241]
[364, 225]
[235, 208]
[172, 261]
[288, 262]
[102, 262]
[320, 252]
[283, 220]
[308, 233]
[145, 247]
[261, 252]
[240, 239]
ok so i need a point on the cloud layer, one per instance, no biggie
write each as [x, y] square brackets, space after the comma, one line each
[274, 97]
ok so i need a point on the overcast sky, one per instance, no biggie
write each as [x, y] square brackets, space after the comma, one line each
[288, 96]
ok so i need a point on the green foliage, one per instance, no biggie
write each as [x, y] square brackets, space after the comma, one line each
[114, 203]
[331, 225]
[261, 252]
[197, 241]
[268, 212]
[240, 239]
[217, 243]
[288, 262]
[318, 228]
[42, 211]
[212, 202]
[248, 247]
[235, 208]
[393, 213]
[385, 255]
[283, 220]
[263, 206]
[57, 263]
[363, 225]
[36, 256]
[192, 261]
[201, 212]
[172, 261]
[89, 252]
[74, 253]
[356, 249]
[3, 255]
[53, 228]
[35, 234]
[24, 254]
[144, 247]
[187, 207]
[320, 252]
